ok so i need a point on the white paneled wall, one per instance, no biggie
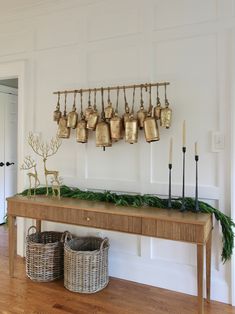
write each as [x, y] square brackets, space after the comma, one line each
[119, 42]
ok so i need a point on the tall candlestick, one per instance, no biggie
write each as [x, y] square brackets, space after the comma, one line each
[197, 209]
[171, 150]
[169, 197]
[183, 208]
[184, 134]
[170, 167]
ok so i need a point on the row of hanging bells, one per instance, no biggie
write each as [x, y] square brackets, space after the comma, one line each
[110, 126]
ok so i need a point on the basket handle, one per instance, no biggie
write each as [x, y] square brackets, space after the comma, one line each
[103, 242]
[66, 236]
[31, 228]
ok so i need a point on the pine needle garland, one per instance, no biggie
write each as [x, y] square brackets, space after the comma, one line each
[225, 221]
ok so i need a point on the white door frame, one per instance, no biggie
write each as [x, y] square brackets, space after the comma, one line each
[5, 90]
[8, 70]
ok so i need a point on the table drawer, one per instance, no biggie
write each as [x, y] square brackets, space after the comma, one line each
[110, 221]
[172, 230]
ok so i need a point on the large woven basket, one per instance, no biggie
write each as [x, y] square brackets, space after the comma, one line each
[44, 255]
[86, 264]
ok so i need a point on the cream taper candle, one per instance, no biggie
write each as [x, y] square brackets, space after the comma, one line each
[171, 151]
[184, 134]
[196, 149]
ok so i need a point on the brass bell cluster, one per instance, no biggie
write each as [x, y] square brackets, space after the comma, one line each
[110, 125]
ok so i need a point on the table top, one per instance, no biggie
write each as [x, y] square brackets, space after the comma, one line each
[105, 207]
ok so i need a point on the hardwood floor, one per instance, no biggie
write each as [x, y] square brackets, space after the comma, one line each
[21, 295]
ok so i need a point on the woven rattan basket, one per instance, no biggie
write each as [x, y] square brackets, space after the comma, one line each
[85, 264]
[44, 255]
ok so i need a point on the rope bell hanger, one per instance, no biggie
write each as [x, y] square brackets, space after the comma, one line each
[114, 87]
[81, 131]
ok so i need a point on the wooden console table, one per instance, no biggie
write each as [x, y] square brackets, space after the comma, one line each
[149, 221]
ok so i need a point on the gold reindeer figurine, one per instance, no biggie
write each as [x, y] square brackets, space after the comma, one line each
[55, 186]
[28, 164]
[45, 150]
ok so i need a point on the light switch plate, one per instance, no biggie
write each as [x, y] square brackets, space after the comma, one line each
[217, 141]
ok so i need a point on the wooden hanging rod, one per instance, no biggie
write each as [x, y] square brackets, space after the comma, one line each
[146, 85]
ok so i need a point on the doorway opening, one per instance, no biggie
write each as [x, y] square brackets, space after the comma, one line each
[8, 141]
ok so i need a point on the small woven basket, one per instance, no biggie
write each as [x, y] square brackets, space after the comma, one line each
[85, 264]
[44, 255]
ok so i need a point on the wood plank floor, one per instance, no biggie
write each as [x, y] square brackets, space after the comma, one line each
[21, 295]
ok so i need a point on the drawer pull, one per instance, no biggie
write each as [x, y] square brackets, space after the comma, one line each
[88, 218]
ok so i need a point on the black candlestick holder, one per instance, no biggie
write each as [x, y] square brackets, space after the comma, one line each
[183, 208]
[197, 209]
[169, 197]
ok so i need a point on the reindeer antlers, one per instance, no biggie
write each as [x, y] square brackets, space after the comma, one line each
[28, 163]
[44, 149]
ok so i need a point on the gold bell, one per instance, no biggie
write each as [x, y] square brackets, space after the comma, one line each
[108, 111]
[150, 124]
[157, 111]
[116, 128]
[141, 113]
[131, 130]
[158, 107]
[166, 117]
[63, 130]
[116, 124]
[81, 131]
[103, 138]
[151, 130]
[72, 119]
[89, 109]
[126, 115]
[88, 112]
[57, 113]
[93, 117]
[92, 120]
[166, 114]
[102, 132]
[73, 116]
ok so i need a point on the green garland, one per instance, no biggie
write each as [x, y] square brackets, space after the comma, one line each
[226, 222]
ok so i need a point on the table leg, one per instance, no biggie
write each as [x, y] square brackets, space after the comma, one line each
[200, 261]
[11, 244]
[38, 225]
[208, 267]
